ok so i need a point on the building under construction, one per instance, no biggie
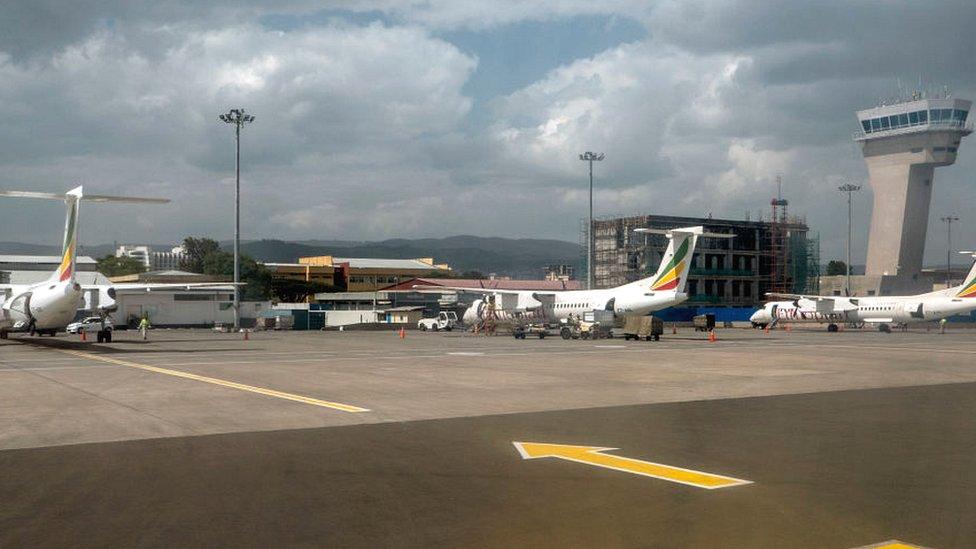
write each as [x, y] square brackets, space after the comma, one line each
[764, 256]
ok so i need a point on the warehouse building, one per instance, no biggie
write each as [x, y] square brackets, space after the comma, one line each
[725, 273]
[171, 307]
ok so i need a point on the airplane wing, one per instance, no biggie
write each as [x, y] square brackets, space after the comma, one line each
[822, 303]
[160, 286]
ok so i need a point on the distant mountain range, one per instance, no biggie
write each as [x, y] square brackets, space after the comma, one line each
[519, 258]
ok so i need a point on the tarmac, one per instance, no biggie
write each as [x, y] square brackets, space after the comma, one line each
[193, 438]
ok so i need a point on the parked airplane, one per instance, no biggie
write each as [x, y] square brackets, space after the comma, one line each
[881, 310]
[665, 289]
[49, 306]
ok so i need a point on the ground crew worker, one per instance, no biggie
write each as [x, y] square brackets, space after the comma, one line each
[144, 327]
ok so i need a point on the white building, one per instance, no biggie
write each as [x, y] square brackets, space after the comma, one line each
[153, 260]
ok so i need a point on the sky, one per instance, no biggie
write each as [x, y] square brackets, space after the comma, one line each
[384, 119]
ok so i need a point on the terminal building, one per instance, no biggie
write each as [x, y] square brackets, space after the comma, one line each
[902, 143]
[725, 273]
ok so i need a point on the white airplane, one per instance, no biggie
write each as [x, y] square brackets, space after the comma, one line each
[881, 310]
[665, 289]
[48, 307]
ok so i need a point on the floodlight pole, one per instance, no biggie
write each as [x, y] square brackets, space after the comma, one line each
[850, 189]
[948, 221]
[237, 117]
[590, 157]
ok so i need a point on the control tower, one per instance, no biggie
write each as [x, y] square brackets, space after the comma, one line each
[902, 144]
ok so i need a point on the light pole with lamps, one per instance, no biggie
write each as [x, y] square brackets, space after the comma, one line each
[948, 221]
[590, 157]
[238, 118]
[850, 189]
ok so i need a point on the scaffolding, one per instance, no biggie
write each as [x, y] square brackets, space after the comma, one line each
[723, 272]
[813, 266]
[779, 242]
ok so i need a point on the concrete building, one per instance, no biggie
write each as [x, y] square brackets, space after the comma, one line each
[153, 260]
[360, 274]
[902, 144]
[733, 272]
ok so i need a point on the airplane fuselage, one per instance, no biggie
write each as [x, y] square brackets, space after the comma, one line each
[623, 301]
[897, 310]
[48, 305]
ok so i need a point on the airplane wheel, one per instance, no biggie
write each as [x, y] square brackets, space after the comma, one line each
[542, 335]
[565, 333]
[832, 328]
[884, 328]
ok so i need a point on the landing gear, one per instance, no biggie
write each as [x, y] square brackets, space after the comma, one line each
[832, 328]
[884, 328]
[565, 333]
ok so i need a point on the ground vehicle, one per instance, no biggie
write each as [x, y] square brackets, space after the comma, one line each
[595, 324]
[522, 330]
[643, 327]
[446, 320]
[93, 325]
[704, 323]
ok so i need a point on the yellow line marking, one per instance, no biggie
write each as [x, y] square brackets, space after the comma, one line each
[891, 544]
[221, 382]
[593, 455]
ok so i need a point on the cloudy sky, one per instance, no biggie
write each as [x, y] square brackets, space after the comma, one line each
[383, 118]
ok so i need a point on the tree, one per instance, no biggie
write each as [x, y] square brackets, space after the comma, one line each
[120, 266]
[203, 255]
[836, 267]
[197, 250]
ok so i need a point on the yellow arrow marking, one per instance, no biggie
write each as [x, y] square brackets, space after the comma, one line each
[593, 455]
[221, 382]
[892, 544]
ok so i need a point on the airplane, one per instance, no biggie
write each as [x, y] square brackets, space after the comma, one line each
[664, 289]
[881, 310]
[48, 307]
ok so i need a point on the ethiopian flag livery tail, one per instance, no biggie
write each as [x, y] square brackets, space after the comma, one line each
[968, 288]
[73, 199]
[672, 275]
[66, 269]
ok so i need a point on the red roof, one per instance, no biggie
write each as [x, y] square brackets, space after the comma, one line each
[537, 285]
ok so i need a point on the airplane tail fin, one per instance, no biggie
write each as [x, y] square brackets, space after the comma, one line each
[968, 288]
[66, 269]
[672, 274]
[72, 199]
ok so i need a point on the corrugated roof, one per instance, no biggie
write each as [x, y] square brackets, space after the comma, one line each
[377, 263]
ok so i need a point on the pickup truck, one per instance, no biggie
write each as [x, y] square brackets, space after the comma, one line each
[446, 320]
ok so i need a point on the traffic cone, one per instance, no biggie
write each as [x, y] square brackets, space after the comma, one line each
[789, 328]
[83, 336]
[766, 329]
[403, 333]
[247, 335]
[711, 336]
